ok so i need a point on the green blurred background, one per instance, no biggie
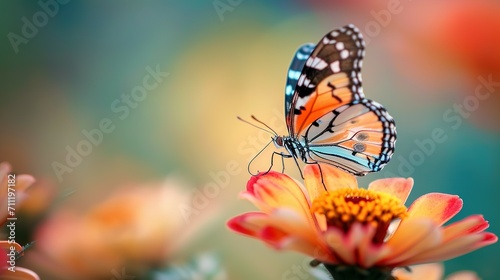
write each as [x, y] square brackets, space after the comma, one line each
[228, 58]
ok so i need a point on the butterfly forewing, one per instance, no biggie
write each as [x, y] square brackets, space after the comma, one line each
[294, 71]
[330, 78]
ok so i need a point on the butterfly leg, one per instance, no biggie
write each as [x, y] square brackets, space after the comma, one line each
[282, 164]
[282, 159]
[321, 174]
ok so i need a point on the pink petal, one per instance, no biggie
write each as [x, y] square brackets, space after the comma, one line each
[471, 224]
[398, 187]
[350, 247]
[333, 178]
[454, 248]
[248, 224]
[438, 207]
[20, 274]
[283, 229]
[273, 190]
[410, 239]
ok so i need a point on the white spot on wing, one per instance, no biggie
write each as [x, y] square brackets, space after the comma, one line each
[301, 80]
[339, 46]
[344, 54]
[328, 42]
[316, 63]
[335, 66]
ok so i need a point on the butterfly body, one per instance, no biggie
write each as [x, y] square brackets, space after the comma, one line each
[293, 146]
[328, 118]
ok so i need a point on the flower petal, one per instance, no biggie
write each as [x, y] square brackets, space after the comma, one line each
[20, 274]
[354, 247]
[469, 225]
[438, 207]
[463, 275]
[317, 176]
[273, 190]
[283, 229]
[248, 224]
[5, 245]
[454, 248]
[411, 238]
[398, 187]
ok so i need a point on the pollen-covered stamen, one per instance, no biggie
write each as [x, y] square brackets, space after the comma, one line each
[344, 207]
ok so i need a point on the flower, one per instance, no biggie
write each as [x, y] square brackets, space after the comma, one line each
[341, 225]
[17, 185]
[136, 228]
[432, 271]
[21, 184]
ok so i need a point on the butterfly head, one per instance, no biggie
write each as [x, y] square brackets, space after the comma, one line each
[278, 141]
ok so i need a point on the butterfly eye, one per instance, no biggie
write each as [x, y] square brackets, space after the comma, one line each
[278, 141]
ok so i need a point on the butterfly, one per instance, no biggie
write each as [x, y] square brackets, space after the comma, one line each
[329, 120]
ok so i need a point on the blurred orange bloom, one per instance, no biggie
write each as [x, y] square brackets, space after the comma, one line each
[22, 183]
[136, 228]
[432, 271]
[456, 42]
[347, 226]
[16, 184]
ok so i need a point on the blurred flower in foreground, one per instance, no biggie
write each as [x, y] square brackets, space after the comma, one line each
[133, 230]
[12, 250]
[432, 271]
[354, 230]
[22, 183]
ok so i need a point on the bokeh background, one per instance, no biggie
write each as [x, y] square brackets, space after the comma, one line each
[228, 58]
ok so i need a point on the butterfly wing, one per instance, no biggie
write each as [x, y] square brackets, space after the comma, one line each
[298, 62]
[329, 114]
[330, 78]
[358, 137]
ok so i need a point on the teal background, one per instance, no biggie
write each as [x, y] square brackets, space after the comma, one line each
[67, 76]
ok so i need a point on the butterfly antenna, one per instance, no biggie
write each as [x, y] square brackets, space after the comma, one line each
[262, 123]
[245, 121]
[250, 163]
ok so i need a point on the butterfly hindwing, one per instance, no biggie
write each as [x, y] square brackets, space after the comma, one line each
[330, 78]
[358, 137]
[298, 62]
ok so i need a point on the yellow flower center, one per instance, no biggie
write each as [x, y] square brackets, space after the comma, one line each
[344, 207]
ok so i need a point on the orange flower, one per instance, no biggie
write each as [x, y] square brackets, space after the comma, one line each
[22, 183]
[348, 226]
[15, 184]
[136, 228]
[432, 271]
